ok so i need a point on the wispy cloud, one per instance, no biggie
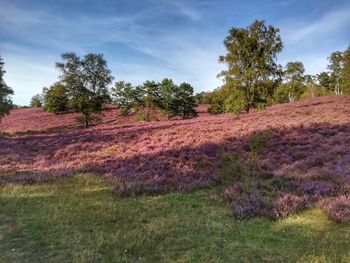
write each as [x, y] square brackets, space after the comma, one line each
[186, 10]
[11, 15]
[313, 41]
[332, 22]
[151, 39]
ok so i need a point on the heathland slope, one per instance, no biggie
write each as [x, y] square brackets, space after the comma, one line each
[271, 162]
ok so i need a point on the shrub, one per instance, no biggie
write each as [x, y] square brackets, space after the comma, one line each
[236, 103]
[286, 204]
[56, 99]
[36, 101]
[124, 111]
[338, 208]
[215, 109]
[249, 205]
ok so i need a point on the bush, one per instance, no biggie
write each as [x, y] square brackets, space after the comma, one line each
[56, 99]
[338, 208]
[250, 205]
[236, 103]
[36, 101]
[286, 204]
[90, 118]
[124, 111]
[312, 92]
[215, 109]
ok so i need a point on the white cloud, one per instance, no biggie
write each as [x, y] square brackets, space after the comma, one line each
[312, 42]
[333, 22]
[184, 53]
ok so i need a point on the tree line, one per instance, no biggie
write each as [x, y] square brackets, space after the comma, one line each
[253, 79]
[84, 87]
[5, 92]
[172, 99]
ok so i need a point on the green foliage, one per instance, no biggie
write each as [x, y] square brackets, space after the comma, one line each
[125, 95]
[281, 94]
[335, 69]
[202, 97]
[143, 114]
[56, 98]
[345, 74]
[89, 118]
[339, 73]
[251, 55]
[36, 101]
[215, 109]
[324, 80]
[219, 99]
[173, 100]
[185, 101]
[293, 86]
[216, 100]
[236, 102]
[167, 92]
[124, 111]
[5, 93]
[86, 81]
[151, 98]
[312, 89]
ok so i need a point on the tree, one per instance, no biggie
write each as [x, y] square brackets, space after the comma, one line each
[185, 101]
[218, 99]
[294, 78]
[312, 89]
[151, 96]
[167, 91]
[324, 80]
[151, 99]
[345, 73]
[36, 101]
[235, 102]
[5, 92]
[202, 97]
[123, 94]
[251, 60]
[55, 98]
[86, 81]
[335, 67]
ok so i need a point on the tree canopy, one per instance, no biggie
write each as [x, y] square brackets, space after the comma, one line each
[293, 82]
[251, 61]
[5, 92]
[36, 101]
[86, 82]
[56, 98]
[171, 99]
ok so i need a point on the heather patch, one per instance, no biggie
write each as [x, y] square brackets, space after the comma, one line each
[271, 180]
[338, 208]
[272, 163]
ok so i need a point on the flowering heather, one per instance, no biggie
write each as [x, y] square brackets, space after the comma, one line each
[291, 156]
[338, 208]
[36, 119]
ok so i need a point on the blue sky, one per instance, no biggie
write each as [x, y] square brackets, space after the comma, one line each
[154, 39]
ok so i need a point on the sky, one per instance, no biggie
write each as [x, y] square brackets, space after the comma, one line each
[153, 39]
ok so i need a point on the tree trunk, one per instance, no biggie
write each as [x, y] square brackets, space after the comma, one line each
[86, 121]
[291, 98]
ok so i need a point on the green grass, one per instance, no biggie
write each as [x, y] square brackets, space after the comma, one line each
[78, 219]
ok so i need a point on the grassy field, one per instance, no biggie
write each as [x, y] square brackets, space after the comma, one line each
[78, 219]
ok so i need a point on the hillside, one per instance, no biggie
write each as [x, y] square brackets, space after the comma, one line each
[290, 153]
[37, 120]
